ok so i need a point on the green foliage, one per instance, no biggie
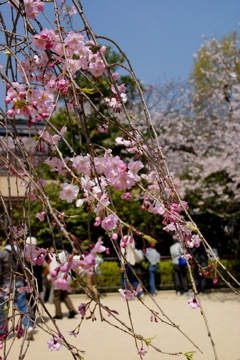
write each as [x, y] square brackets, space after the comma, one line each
[167, 274]
[208, 70]
[109, 276]
[233, 266]
[79, 222]
[109, 280]
[76, 219]
[130, 211]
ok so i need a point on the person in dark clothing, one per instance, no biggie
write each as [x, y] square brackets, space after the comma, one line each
[200, 255]
[180, 273]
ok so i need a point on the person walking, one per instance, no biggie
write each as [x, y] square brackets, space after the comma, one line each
[131, 257]
[180, 274]
[8, 268]
[153, 257]
[60, 295]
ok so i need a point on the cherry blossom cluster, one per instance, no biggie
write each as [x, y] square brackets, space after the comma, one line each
[85, 263]
[210, 100]
[183, 233]
[119, 97]
[19, 231]
[130, 294]
[208, 270]
[111, 170]
[48, 138]
[50, 64]
[35, 255]
[35, 105]
[70, 55]
[31, 7]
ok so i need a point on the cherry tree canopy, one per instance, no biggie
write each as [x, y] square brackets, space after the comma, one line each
[46, 63]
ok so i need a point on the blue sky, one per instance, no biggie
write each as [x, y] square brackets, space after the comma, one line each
[161, 36]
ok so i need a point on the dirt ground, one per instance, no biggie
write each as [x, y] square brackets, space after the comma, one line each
[101, 341]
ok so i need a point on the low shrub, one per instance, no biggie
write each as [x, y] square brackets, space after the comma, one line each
[166, 275]
[109, 277]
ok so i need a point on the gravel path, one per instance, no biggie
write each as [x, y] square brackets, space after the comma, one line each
[100, 341]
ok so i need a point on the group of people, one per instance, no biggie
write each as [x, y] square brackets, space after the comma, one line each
[131, 269]
[8, 266]
[130, 276]
[11, 282]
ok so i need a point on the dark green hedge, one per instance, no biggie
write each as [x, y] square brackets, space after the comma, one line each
[109, 278]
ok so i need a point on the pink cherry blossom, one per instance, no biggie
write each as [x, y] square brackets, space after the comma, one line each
[72, 10]
[98, 247]
[62, 284]
[54, 273]
[115, 76]
[87, 183]
[35, 255]
[82, 309]
[97, 221]
[54, 344]
[110, 222]
[169, 227]
[46, 136]
[72, 333]
[65, 267]
[28, 288]
[141, 352]
[55, 164]
[193, 241]
[81, 164]
[103, 128]
[19, 231]
[80, 202]
[75, 264]
[127, 294]
[69, 192]
[104, 201]
[88, 262]
[114, 236]
[44, 40]
[123, 181]
[40, 215]
[74, 40]
[135, 166]
[193, 303]
[126, 196]
[32, 8]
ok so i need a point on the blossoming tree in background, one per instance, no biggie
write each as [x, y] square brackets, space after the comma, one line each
[49, 65]
[199, 125]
